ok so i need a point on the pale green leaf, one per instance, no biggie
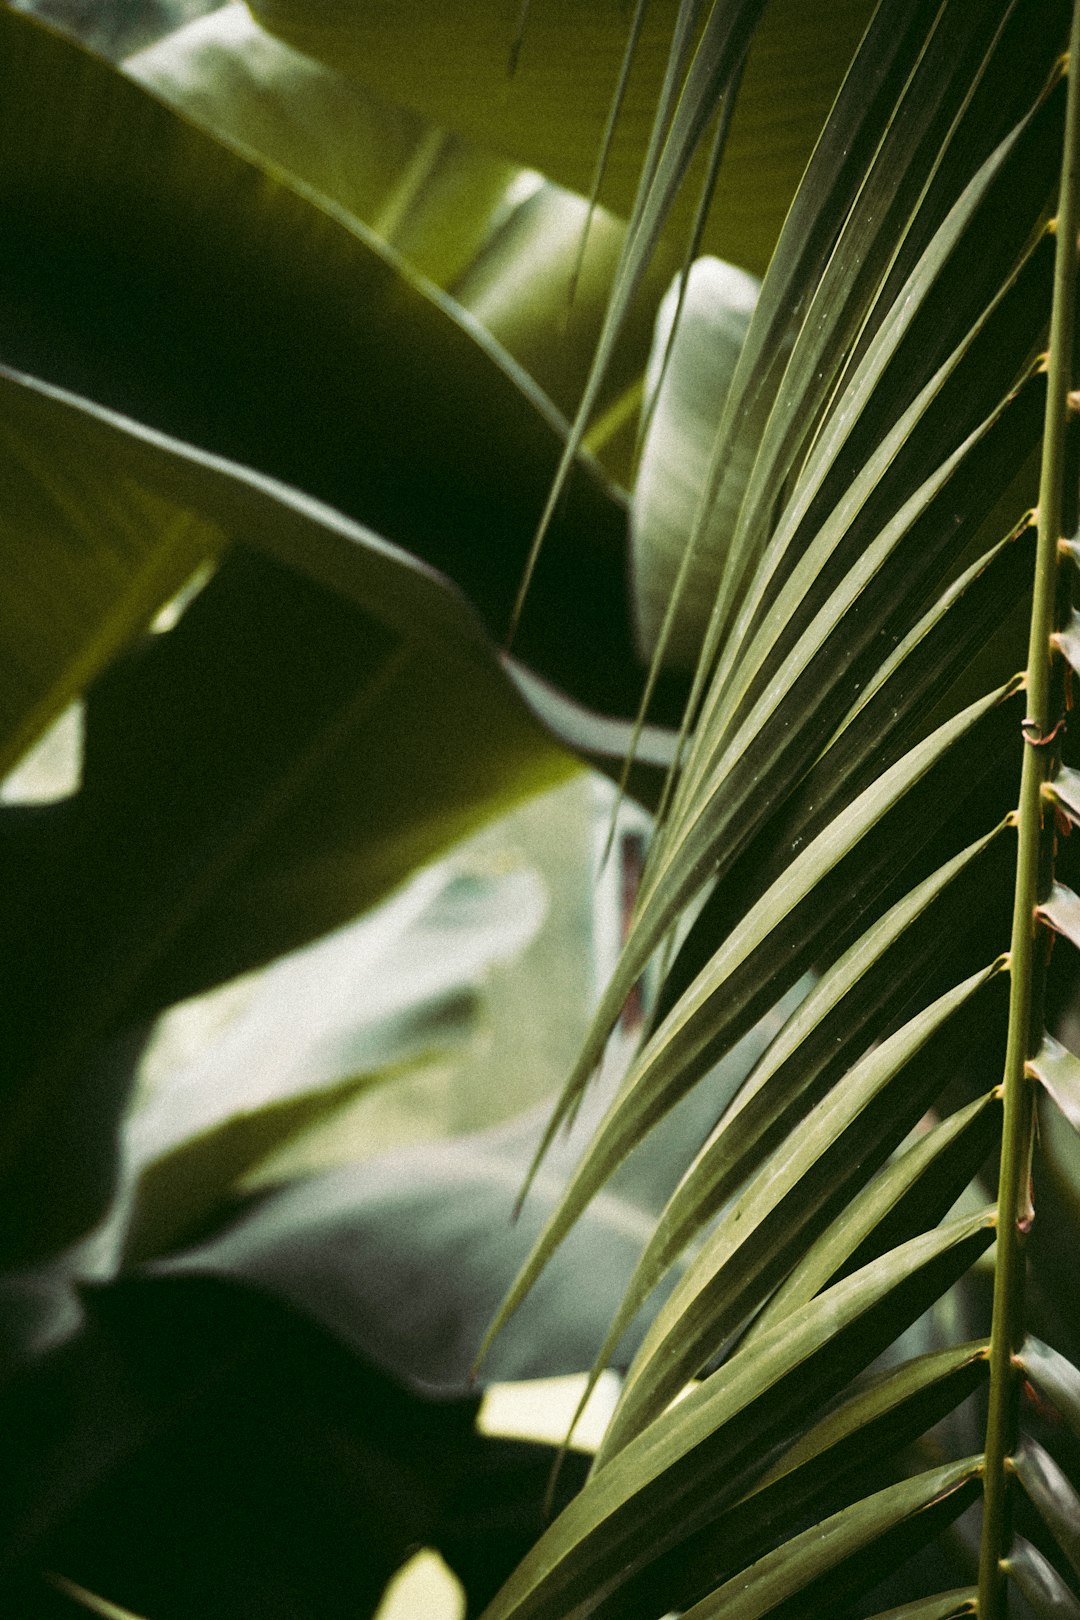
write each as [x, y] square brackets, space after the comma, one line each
[1061, 909]
[1054, 1378]
[1058, 1070]
[1064, 789]
[399, 988]
[1040, 1583]
[551, 113]
[715, 313]
[90, 1600]
[499, 239]
[1056, 1498]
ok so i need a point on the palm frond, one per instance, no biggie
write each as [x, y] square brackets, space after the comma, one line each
[837, 811]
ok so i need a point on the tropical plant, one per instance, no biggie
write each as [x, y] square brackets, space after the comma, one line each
[853, 800]
[867, 795]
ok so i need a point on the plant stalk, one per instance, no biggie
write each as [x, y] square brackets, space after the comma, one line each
[1028, 939]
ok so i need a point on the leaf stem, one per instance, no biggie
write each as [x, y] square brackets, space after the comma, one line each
[1025, 1013]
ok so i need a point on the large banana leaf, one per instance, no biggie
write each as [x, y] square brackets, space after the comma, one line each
[292, 748]
[537, 83]
[141, 269]
[225, 1087]
[849, 758]
[502, 242]
[175, 864]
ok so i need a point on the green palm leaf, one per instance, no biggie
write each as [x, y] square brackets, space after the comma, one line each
[711, 1447]
[798, 1191]
[742, 763]
[817, 1040]
[895, 408]
[809, 1573]
[832, 1463]
[783, 929]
